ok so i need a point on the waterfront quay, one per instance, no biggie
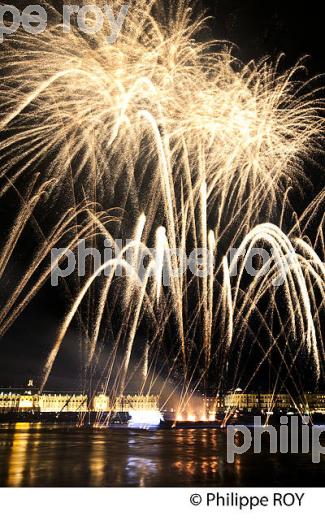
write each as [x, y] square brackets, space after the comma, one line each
[29, 400]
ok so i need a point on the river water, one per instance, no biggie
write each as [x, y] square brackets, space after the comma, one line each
[43, 455]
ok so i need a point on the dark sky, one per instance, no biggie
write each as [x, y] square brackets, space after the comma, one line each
[257, 28]
[272, 27]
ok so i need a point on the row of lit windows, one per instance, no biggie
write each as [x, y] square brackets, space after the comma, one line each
[61, 402]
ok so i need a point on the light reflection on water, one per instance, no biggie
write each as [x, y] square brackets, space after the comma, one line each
[45, 455]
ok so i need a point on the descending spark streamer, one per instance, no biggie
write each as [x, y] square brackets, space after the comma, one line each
[198, 151]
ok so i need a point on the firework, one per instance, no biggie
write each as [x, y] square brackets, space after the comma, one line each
[196, 150]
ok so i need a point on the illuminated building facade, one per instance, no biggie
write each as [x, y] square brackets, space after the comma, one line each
[260, 401]
[27, 401]
[102, 403]
[9, 401]
[315, 403]
[73, 403]
[62, 403]
[308, 402]
[45, 403]
[137, 402]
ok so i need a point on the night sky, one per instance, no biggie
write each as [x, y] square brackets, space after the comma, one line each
[271, 28]
[257, 29]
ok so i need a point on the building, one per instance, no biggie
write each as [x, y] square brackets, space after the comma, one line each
[262, 401]
[9, 402]
[137, 402]
[315, 403]
[100, 403]
[31, 401]
[44, 403]
[61, 403]
[26, 400]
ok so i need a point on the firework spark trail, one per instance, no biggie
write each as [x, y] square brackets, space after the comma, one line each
[249, 121]
[196, 148]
